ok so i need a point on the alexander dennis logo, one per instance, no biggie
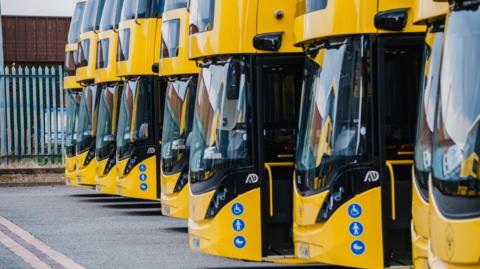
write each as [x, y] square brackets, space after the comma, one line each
[252, 179]
[372, 176]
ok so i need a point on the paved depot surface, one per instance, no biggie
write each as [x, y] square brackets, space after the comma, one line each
[98, 231]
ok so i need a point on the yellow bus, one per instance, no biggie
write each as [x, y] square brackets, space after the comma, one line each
[88, 110]
[244, 128]
[432, 14]
[352, 184]
[454, 193]
[141, 104]
[182, 77]
[110, 87]
[72, 92]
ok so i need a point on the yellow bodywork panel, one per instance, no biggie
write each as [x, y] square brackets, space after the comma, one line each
[453, 242]
[236, 23]
[346, 17]
[174, 204]
[331, 242]
[419, 228]
[106, 183]
[70, 82]
[132, 186]
[306, 208]
[108, 73]
[349, 17]
[86, 175]
[87, 73]
[216, 236]
[180, 64]
[70, 171]
[426, 10]
[144, 46]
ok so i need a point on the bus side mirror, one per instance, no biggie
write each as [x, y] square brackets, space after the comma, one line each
[268, 42]
[391, 20]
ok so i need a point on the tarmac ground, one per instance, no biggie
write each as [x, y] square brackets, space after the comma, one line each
[66, 227]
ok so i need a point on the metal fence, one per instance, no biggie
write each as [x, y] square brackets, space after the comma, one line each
[32, 116]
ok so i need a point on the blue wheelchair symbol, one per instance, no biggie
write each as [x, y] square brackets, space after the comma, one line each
[143, 177]
[354, 210]
[356, 228]
[143, 187]
[237, 209]
[238, 225]
[239, 241]
[357, 247]
[142, 168]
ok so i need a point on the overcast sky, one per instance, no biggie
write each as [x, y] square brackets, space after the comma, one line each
[38, 7]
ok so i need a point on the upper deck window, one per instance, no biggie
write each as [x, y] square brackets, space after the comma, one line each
[314, 5]
[174, 4]
[202, 14]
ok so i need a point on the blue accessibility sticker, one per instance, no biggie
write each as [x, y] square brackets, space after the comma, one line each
[354, 210]
[142, 168]
[238, 225]
[357, 247]
[143, 186]
[237, 209]
[239, 241]
[143, 177]
[356, 228]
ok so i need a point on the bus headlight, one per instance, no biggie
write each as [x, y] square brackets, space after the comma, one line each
[181, 182]
[110, 164]
[89, 158]
[219, 200]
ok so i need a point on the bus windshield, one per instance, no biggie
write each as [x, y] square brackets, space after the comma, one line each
[111, 14]
[332, 130]
[219, 138]
[456, 141]
[140, 9]
[76, 22]
[135, 115]
[427, 106]
[177, 122]
[107, 119]
[86, 117]
[73, 104]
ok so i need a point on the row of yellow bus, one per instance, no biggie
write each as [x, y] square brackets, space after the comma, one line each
[292, 131]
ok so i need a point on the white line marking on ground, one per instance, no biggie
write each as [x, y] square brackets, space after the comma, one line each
[53, 254]
[22, 252]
